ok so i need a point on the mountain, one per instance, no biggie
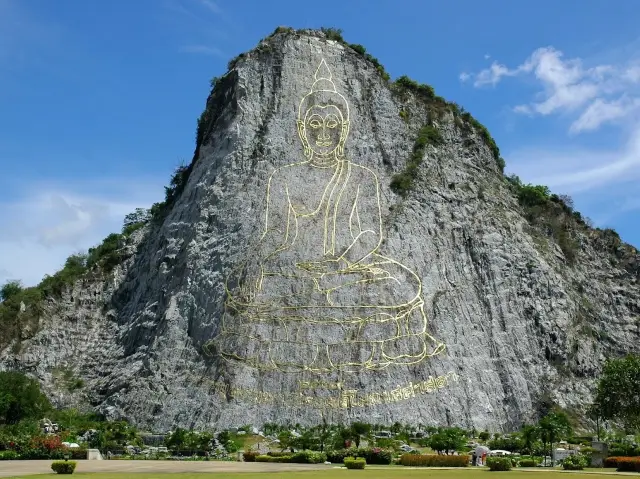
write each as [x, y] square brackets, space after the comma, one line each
[341, 247]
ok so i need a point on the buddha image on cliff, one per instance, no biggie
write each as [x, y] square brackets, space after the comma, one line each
[315, 293]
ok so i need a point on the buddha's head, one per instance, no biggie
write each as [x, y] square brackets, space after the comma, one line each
[323, 118]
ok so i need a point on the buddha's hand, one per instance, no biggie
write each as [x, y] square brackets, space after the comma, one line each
[326, 266]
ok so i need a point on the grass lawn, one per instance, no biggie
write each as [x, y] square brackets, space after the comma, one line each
[373, 473]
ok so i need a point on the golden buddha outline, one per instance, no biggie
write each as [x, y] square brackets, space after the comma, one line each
[316, 295]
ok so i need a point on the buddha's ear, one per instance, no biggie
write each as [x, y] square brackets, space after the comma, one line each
[345, 130]
[303, 138]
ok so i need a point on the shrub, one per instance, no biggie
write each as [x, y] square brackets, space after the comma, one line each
[107, 254]
[64, 467]
[425, 91]
[611, 461]
[373, 455]
[8, 455]
[265, 458]
[628, 464]
[278, 453]
[9, 289]
[357, 463]
[402, 182]
[528, 463]
[499, 463]
[333, 34]
[309, 457]
[576, 462]
[249, 456]
[434, 460]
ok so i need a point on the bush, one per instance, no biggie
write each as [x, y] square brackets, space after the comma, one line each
[249, 456]
[373, 455]
[612, 461]
[528, 463]
[278, 453]
[300, 457]
[402, 182]
[628, 464]
[357, 463]
[309, 457]
[576, 462]
[64, 467]
[8, 455]
[499, 463]
[265, 458]
[434, 460]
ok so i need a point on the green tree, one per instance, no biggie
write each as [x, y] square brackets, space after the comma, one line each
[286, 440]
[177, 439]
[20, 398]
[305, 441]
[10, 289]
[618, 392]
[553, 427]
[448, 440]
[484, 435]
[324, 433]
[530, 434]
[360, 429]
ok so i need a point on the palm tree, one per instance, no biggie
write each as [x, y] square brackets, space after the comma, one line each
[530, 434]
[554, 426]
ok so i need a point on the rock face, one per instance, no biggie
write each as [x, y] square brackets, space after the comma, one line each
[289, 282]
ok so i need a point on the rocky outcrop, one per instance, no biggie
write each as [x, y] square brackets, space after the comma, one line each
[228, 312]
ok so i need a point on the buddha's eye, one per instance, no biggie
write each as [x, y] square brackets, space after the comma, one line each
[331, 123]
[315, 123]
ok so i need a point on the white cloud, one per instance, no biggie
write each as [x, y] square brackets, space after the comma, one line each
[576, 170]
[597, 94]
[51, 222]
[493, 74]
[604, 111]
[603, 182]
[212, 6]
[464, 77]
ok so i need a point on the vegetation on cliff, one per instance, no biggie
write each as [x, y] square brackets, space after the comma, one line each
[21, 308]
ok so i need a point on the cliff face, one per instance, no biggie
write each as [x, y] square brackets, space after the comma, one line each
[288, 281]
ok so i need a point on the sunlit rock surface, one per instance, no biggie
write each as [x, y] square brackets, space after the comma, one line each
[454, 311]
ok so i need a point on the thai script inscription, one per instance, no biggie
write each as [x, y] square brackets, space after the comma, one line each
[346, 398]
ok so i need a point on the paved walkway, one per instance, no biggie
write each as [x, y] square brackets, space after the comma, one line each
[24, 468]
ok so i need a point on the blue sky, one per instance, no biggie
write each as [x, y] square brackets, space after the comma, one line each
[99, 100]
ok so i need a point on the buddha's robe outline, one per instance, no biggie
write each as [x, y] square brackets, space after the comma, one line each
[335, 287]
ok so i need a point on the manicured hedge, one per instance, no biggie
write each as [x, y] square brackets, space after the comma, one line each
[499, 463]
[249, 456]
[265, 458]
[434, 460]
[355, 463]
[528, 463]
[628, 464]
[373, 455]
[64, 467]
[612, 461]
[302, 457]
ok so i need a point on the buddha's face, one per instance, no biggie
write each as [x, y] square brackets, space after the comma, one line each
[323, 129]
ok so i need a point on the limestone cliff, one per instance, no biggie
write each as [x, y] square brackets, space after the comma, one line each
[342, 247]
